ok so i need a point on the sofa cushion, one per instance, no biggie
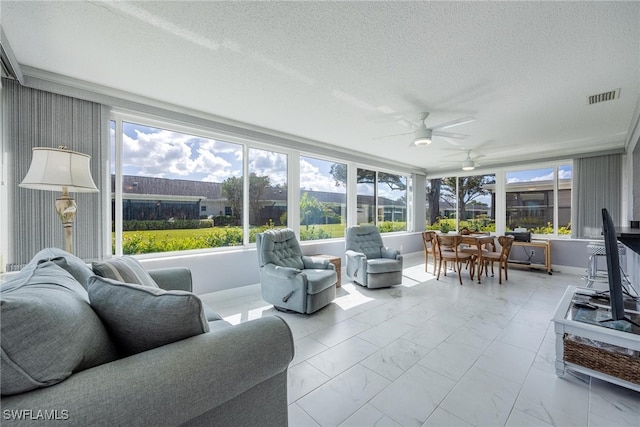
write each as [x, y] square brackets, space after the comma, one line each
[140, 318]
[124, 269]
[71, 263]
[48, 329]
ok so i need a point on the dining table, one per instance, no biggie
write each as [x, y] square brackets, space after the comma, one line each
[479, 241]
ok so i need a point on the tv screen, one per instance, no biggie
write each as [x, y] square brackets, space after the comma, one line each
[613, 267]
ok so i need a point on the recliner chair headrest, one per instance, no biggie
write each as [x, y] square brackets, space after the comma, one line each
[281, 235]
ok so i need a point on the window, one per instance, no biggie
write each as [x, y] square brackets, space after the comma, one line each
[323, 199]
[169, 179]
[392, 202]
[176, 188]
[366, 197]
[475, 203]
[382, 200]
[267, 190]
[535, 197]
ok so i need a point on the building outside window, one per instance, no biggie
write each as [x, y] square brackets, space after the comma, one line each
[531, 201]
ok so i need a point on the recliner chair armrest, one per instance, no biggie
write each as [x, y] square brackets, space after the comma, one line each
[353, 254]
[281, 272]
[317, 262]
[356, 265]
[391, 253]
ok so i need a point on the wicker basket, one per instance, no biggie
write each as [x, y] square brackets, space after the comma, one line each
[607, 361]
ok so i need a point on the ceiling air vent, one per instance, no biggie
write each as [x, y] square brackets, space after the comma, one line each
[605, 96]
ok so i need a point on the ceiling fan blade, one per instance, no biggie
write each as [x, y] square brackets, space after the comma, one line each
[390, 136]
[408, 124]
[449, 134]
[453, 123]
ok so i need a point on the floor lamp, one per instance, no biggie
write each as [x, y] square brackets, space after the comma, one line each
[60, 169]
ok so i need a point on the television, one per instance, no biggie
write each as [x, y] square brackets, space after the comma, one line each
[613, 269]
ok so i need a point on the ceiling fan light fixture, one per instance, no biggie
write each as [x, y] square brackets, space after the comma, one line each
[468, 165]
[423, 136]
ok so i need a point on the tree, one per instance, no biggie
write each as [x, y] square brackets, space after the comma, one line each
[311, 210]
[433, 197]
[232, 190]
[257, 189]
[339, 174]
[469, 188]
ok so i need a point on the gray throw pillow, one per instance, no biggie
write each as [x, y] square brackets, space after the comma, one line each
[140, 318]
[71, 263]
[124, 269]
[48, 330]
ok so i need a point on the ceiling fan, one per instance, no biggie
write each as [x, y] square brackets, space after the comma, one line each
[423, 135]
[469, 163]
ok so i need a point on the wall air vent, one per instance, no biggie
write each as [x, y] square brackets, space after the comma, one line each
[605, 96]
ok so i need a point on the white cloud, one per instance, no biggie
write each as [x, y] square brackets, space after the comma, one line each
[565, 174]
[269, 163]
[165, 153]
[311, 178]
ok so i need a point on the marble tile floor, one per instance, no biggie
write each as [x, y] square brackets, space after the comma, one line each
[434, 353]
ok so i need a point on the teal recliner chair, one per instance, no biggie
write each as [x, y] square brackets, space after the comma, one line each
[292, 281]
[369, 262]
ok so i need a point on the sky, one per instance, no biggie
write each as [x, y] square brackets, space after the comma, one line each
[167, 154]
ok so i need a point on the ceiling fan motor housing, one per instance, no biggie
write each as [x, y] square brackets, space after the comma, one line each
[423, 136]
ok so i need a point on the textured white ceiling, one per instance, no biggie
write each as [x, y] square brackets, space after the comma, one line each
[342, 73]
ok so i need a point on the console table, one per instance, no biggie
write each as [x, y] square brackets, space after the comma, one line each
[571, 321]
[545, 245]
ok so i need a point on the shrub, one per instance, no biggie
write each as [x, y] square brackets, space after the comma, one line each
[313, 233]
[225, 220]
[390, 226]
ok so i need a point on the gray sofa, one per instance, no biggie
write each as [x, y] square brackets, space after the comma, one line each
[222, 375]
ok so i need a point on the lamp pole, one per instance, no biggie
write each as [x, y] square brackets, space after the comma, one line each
[66, 208]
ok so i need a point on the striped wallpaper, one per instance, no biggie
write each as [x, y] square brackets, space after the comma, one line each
[35, 118]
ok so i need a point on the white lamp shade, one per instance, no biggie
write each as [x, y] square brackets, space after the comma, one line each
[54, 168]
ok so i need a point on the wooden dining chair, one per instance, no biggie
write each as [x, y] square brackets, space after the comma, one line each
[449, 250]
[483, 243]
[430, 244]
[501, 257]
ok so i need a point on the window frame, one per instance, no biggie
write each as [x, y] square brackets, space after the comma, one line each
[501, 190]
[117, 117]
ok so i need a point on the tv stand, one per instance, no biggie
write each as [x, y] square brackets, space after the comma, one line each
[578, 329]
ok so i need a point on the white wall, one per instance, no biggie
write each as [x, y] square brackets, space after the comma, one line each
[216, 271]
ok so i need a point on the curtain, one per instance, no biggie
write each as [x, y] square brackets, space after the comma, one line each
[35, 118]
[597, 184]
